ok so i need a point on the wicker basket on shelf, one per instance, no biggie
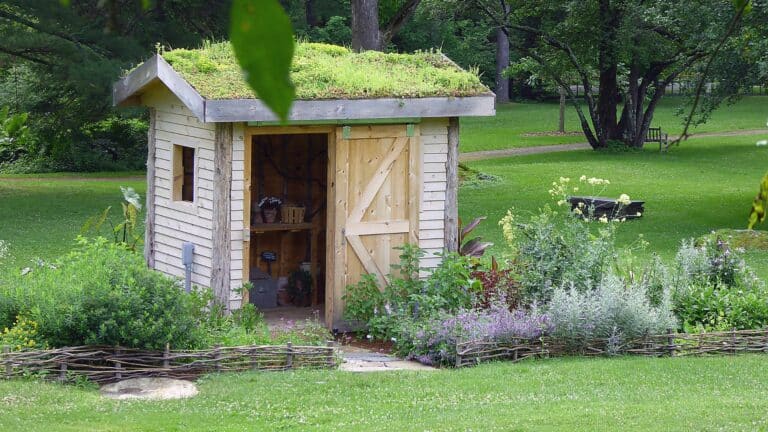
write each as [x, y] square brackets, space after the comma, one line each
[292, 214]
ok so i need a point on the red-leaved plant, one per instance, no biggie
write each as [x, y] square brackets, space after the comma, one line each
[474, 247]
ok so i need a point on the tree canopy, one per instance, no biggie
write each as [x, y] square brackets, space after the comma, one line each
[624, 53]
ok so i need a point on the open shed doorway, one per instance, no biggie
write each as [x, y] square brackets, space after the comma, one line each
[288, 223]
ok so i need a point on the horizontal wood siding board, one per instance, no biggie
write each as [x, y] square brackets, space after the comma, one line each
[184, 130]
[435, 186]
[429, 215]
[170, 138]
[202, 246]
[430, 243]
[198, 227]
[200, 264]
[431, 234]
[243, 110]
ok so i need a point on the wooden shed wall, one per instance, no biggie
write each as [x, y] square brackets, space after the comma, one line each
[178, 222]
[434, 144]
[236, 223]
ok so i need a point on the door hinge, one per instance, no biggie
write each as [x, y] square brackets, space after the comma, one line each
[410, 129]
[346, 132]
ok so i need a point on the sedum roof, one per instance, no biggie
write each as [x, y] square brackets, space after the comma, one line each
[322, 71]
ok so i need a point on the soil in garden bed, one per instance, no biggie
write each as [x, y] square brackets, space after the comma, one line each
[357, 341]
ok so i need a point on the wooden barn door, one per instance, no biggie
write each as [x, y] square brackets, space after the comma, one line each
[374, 191]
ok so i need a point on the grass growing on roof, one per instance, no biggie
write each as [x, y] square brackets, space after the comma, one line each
[322, 71]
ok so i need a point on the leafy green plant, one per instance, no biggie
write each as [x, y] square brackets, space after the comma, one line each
[716, 290]
[15, 137]
[103, 294]
[559, 245]
[248, 317]
[387, 311]
[125, 232]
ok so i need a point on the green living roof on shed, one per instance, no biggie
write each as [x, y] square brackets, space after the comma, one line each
[323, 71]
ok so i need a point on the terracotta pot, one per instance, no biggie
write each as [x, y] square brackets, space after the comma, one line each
[270, 215]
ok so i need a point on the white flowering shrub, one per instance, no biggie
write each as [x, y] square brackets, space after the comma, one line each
[3, 249]
[558, 245]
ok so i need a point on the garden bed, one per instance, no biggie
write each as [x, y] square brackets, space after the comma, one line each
[104, 364]
[470, 353]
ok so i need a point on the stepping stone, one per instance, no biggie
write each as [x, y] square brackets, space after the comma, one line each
[149, 389]
[361, 360]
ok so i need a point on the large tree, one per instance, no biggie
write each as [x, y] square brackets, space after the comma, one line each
[624, 52]
[366, 33]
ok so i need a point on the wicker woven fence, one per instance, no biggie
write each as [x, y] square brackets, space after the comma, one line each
[103, 364]
[671, 344]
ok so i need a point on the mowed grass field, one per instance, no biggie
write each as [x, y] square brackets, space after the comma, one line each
[579, 394]
[703, 185]
[42, 215]
[514, 121]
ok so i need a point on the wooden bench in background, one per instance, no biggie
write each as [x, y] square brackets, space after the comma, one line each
[658, 136]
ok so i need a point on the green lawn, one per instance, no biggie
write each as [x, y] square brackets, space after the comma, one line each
[513, 120]
[674, 394]
[42, 216]
[701, 186]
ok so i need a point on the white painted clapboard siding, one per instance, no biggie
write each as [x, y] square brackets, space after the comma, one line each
[179, 222]
[434, 145]
[236, 222]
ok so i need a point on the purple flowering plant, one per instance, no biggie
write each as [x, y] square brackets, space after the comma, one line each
[434, 341]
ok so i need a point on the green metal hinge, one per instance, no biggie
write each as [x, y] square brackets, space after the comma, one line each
[409, 129]
[346, 132]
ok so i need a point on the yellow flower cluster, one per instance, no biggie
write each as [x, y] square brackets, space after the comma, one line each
[21, 336]
[507, 224]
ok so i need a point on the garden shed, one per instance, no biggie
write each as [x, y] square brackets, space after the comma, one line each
[367, 162]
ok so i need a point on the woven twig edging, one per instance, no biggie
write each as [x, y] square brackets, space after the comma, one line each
[670, 344]
[104, 364]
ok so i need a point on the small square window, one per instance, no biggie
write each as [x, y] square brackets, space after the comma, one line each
[183, 173]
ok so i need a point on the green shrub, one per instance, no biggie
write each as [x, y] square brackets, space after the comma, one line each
[103, 294]
[383, 312]
[555, 247]
[716, 290]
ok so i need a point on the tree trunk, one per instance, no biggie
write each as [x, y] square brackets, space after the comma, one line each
[561, 120]
[607, 102]
[310, 17]
[502, 62]
[365, 25]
